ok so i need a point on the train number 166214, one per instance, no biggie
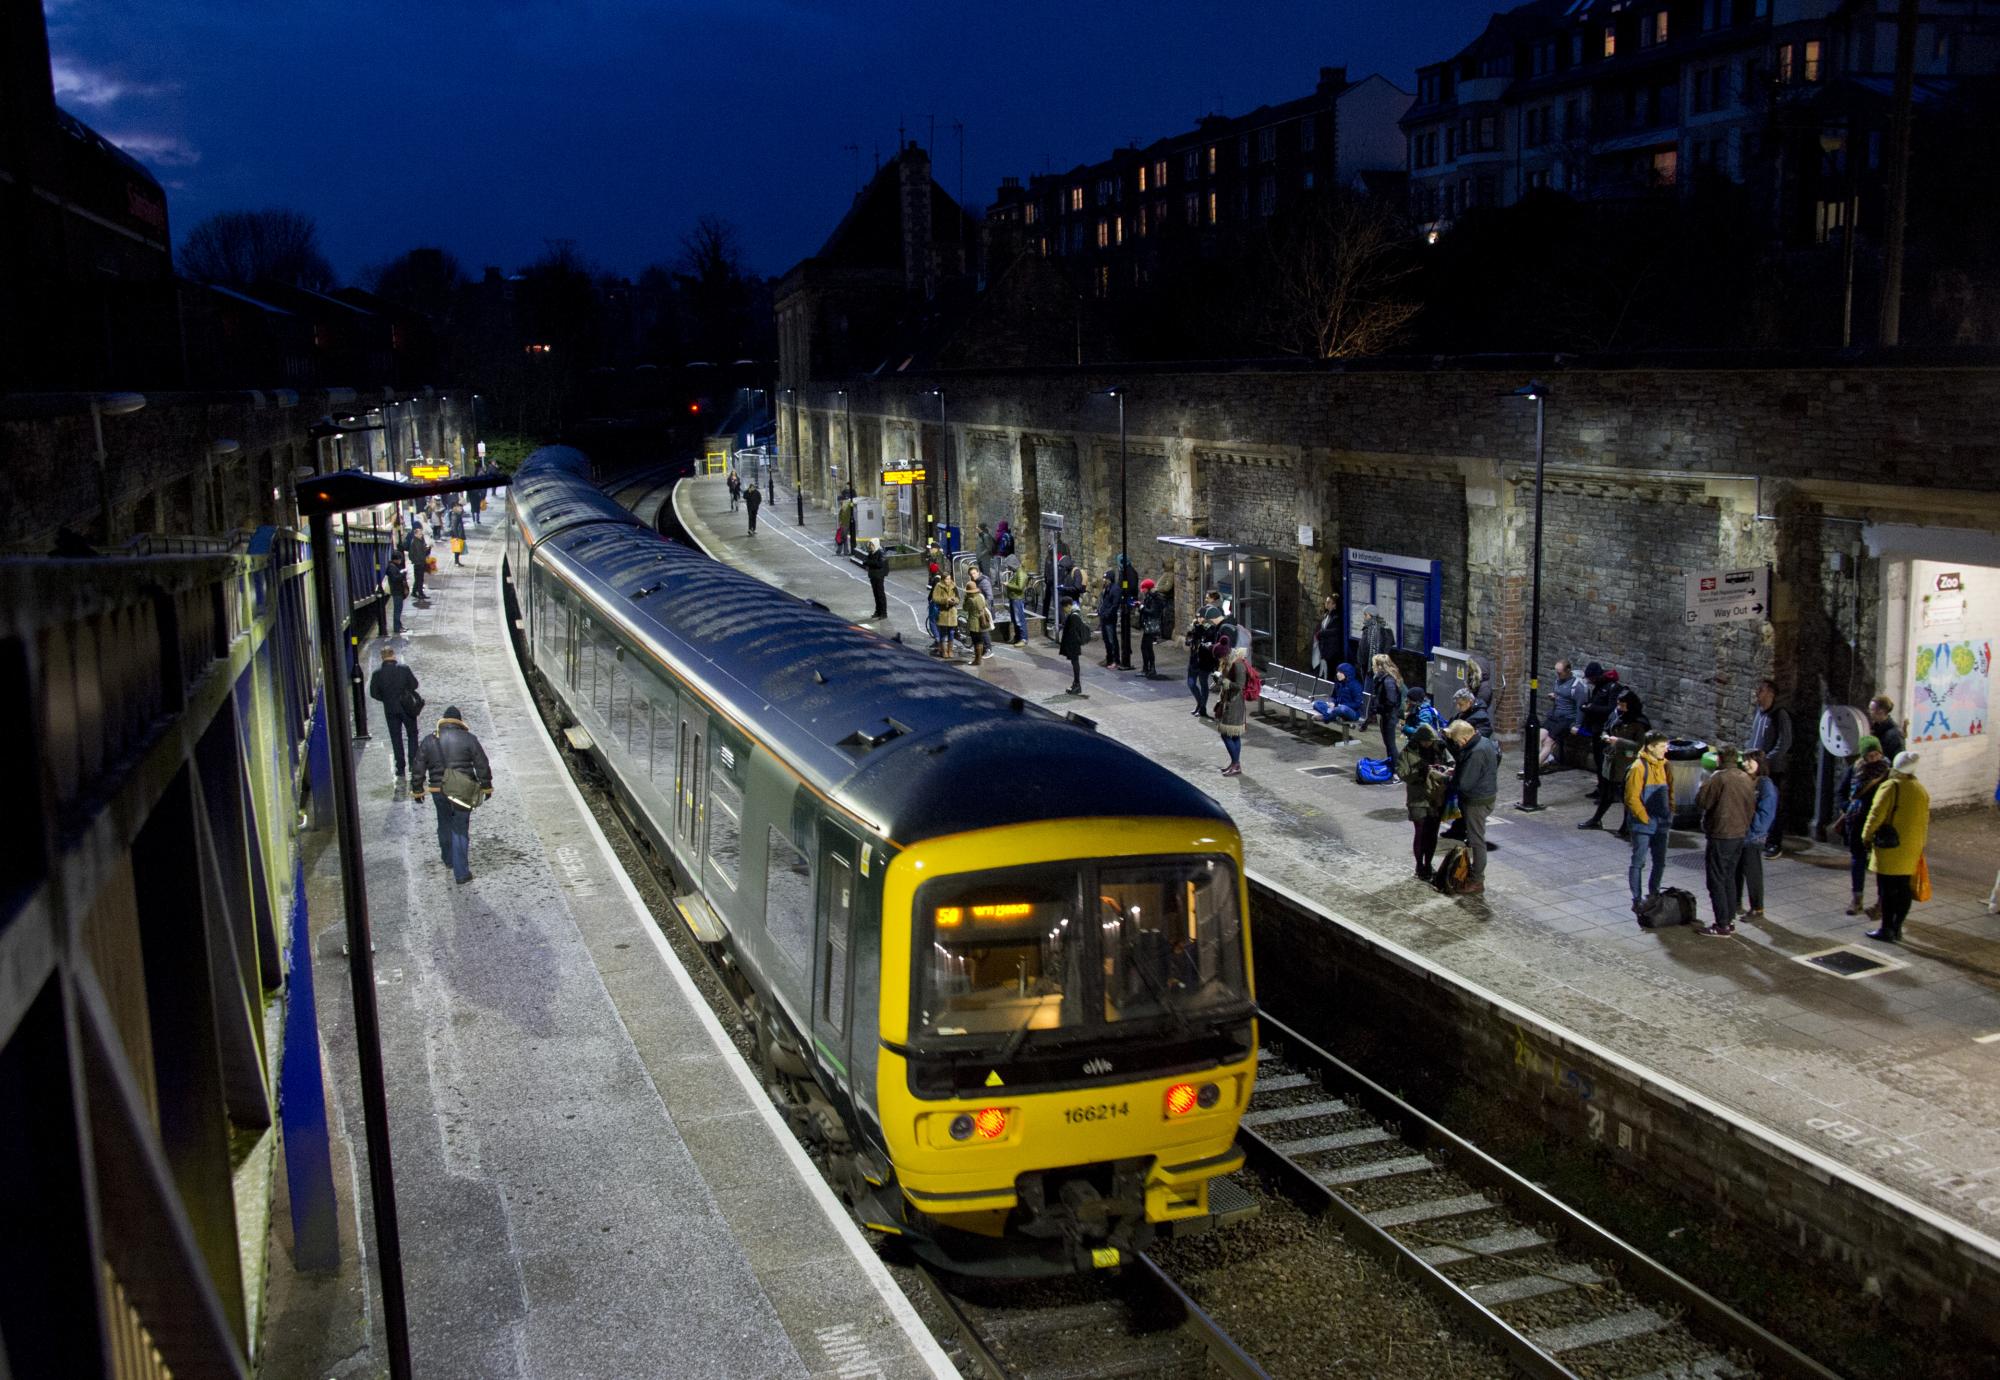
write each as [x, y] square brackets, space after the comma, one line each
[1097, 1111]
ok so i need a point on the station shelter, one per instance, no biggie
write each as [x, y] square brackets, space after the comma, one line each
[1259, 589]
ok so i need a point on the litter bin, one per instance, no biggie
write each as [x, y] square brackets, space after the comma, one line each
[1687, 764]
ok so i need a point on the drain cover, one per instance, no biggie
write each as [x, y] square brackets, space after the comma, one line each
[1323, 771]
[1847, 962]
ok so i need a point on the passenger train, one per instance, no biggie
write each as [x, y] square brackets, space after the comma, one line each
[997, 965]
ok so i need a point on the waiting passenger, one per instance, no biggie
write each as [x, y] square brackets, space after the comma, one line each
[876, 563]
[753, 498]
[1075, 636]
[1387, 688]
[1232, 710]
[1465, 705]
[945, 596]
[978, 619]
[1349, 699]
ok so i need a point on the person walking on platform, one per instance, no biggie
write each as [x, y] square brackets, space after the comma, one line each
[845, 546]
[1422, 764]
[1771, 734]
[1232, 710]
[420, 558]
[1728, 804]
[1882, 723]
[1851, 798]
[1107, 616]
[1476, 782]
[1075, 635]
[458, 535]
[398, 581]
[1015, 590]
[1150, 615]
[735, 490]
[395, 685]
[753, 498]
[1898, 826]
[876, 563]
[1386, 686]
[1649, 800]
[458, 777]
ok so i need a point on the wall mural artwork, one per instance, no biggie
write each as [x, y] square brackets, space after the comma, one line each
[1953, 681]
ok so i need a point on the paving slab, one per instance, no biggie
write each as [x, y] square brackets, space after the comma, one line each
[1881, 1075]
[590, 1180]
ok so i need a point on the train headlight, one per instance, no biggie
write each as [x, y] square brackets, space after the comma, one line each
[1208, 1095]
[1180, 1099]
[990, 1122]
[961, 1126]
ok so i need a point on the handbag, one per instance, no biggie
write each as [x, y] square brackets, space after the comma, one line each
[462, 788]
[458, 546]
[1886, 836]
[412, 704]
[1920, 881]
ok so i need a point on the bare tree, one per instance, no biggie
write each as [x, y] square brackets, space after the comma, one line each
[1336, 266]
[715, 289]
[242, 247]
[427, 280]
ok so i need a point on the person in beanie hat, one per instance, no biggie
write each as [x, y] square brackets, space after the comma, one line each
[1152, 619]
[1851, 799]
[1232, 711]
[1899, 823]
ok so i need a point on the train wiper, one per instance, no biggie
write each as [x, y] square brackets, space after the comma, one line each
[1165, 999]
[1019, 1035]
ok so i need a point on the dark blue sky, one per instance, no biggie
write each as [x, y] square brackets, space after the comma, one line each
[489, 126]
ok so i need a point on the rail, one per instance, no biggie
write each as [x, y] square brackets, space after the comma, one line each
[1419, 1196]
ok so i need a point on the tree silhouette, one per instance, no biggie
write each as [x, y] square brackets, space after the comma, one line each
[1336, 271]
[238, 248]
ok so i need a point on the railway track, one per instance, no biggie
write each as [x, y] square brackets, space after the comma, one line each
[1089, 1327]
[1560, 1297]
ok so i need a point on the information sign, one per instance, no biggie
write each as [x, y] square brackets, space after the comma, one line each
[1728, 596]
[902, 472]
[430, 471]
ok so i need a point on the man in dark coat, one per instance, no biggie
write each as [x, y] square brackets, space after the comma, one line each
[753, 498]
[1882, 724]
[453, 748]
[395, 685]
[455, 524]
[876, 563]
[419, 547]
[1771, 734]
[1075, 636]
[1600, 702]
[399, 585]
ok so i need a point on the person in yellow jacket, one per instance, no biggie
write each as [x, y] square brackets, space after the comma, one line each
[1649, 801]
[1899, 823]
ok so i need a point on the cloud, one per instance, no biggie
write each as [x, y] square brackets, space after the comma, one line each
[77, 84]
[161, 150]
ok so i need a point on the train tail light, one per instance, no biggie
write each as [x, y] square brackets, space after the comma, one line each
[990, 1122]
[1180, 1099]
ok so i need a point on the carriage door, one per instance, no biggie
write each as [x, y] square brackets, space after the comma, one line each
[839, 899]
[691, 783]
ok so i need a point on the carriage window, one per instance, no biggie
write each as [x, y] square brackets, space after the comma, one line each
[621, 700]
[788, 908]
[586, 658]
[605, 655]
[666, 711]
[1171, 938]
[725, 822]
[837, 904]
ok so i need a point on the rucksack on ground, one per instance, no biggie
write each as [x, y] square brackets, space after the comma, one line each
[1253, 682]
[1374, 771]
[1671, 907]
[1453, 872]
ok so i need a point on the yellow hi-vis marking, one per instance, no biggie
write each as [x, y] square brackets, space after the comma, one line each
[993, 1078]
[1104, 1257]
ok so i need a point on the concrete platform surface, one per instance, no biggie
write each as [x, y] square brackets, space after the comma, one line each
[1892, 1078]
[591, 1181]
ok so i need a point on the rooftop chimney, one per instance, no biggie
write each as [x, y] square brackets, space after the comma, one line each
[1332, 79]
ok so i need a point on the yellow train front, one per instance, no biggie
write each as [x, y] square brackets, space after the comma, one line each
[1071, 1044]
[996, 961]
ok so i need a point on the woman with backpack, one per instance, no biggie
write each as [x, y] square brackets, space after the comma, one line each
[1423, 792]
[1387, 689]
[1232, 709]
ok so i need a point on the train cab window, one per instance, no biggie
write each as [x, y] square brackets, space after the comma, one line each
[725, 823]
[1005, 954]
[788, 904]
[1171, 937]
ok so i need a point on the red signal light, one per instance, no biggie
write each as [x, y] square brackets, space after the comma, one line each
[694, 407]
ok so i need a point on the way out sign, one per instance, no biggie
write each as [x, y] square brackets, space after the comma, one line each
[1728, 596]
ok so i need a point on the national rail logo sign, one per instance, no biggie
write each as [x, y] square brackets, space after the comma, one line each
[1728, 596]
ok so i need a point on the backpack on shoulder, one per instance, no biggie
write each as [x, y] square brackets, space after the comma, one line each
[1374, 771]
[1673, 906]
[1253, 682]
[1453, 872]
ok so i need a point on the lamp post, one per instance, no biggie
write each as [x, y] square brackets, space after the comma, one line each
[102, 406]
[319, 499]
[1124, 576]
[1531, 779]
[944, 468]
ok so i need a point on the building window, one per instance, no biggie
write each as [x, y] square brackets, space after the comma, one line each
[1076, 198]
[1159, 174]
[1028, 213]
[1753, 77]
[1427, 89]
[1103, 233]
[1489, 132]
[1142, 222]
[1538, 178]
[1542, 61]
[1193, 209]
[1212, 207]
[1045, 246]
[1104, 280]
[1812, 59]
[1267, 144]
[1711, 14]
[1243, 151]
[1653, 29]
[1610, 40]
[1211, 160]
[1572, 118]
[1118, 229]
[1142, 177]
[1832, 215]
[1576, 49]
[1665, 164]
[1308, 180]
[1450, 143]
[1076, 237]
[1787, 63]
[1267, 196]
[1191, 165]
[1307, 128]
[1760, 9]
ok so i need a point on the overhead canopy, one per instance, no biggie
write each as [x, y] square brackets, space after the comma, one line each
[1210, 546]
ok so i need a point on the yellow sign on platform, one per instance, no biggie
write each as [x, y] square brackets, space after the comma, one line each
[430, 471]
[914, 476]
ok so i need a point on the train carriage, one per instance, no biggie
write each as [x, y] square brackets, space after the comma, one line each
[997, 964]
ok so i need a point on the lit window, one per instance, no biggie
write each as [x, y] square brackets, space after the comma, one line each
[1160, 173]
[1029, 212]
[1665, 164]
[1104, 282]
[1211, 160]
[1142, 177]
[1812, 59]
[1045, 246]
[1103, 233]
[1211, 208]
[1076, 198]
[1118, 230]
[1144, 221]
[1610, 40]
[1785, 60]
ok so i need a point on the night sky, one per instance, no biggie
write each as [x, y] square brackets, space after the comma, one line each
[491, 127]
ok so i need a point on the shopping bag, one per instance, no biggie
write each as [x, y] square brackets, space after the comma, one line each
[1920, 883]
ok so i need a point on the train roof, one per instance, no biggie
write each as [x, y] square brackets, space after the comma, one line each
[552, 493]
[917, 748]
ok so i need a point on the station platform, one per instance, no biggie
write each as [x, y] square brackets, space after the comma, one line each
[591, 1181]
[1891, 1078]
